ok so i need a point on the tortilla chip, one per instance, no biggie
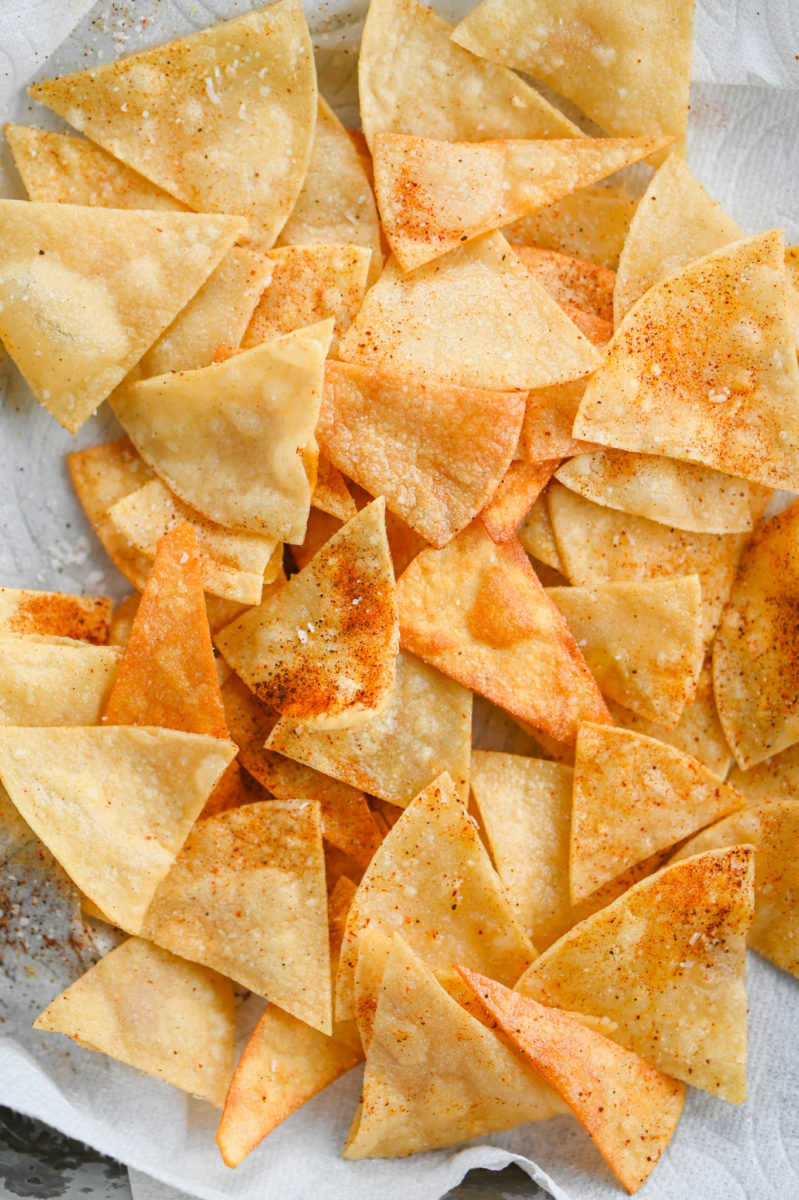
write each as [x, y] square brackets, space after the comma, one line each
[597, 331]
[102, 475]
[434, 1074]
[53, 681]
[132, 794]
[773, 830]
[680, 494]
[642, 640]
[330, 494]
[571, 280]
[591, 224]
[634, 796]
[548, 419]
[536, 535]
[475, 318]
[754, 654]
[775, 779]
[675, 223]
[432, 878]
[55, 614]
[519, 489]
[83, 299]
[122, 620]
[154, 1011]
[434, 195]
[242, 139]
[629, 1108]
[231, 564]
[435, 451]
[247, 897]
[476, 611]
[729, 399]
[309, 283]
[425, 729]
[599, 545]
[464, 99]
[610, 61]
[321, 650]
[654, 958]
[245, 469]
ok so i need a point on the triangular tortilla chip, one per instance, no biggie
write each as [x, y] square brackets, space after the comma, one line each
[425, 729]
[590, 224]
[773, 830]
[321, 650]
[222, 119]
[548, 420]
[729, 399]
[600, 545]
[247, 897]
[464, 99]
[475, 318]
[629, 1108]
[655, 958]
[680, 494]
[58, 168]
[263, 404]
[754, 654]
[571, 280]
[642, 640]
[634, 796]
[55, 614]
[434, 1074]
[433, 195]
[331, 494]
[537, 537]
[675, 223]
[131, 794]
[629, 69]
[520, 487]
[437, 452]
[476, 611]
[597, 331]
[53, 681]
[83, 299]
[432, 878]
[775, 779]
[154, 1011]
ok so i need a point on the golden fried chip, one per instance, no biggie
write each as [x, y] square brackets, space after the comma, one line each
[154, 1011]
[131, 794]
[432, 878]
[590, 224]
[475, 318]
[629, 1108]
[55, 614]
[53, 681]
[570, 280]
[83, 299]
[437, 452]
[548, 420]
[655, 959]
[102, 475]
[729, 399]
[642, 640]
[222, 119]
[433, 195]
[775, 779]
[754, 654]
[537, 537]
[519, 489]
[476, 611]
[331, 494]
[229, 439]
[321, 650]
[425, 729]
[634, 796]
[374, 952]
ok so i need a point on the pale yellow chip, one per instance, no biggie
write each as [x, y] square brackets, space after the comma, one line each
[433, 195]
[666, 961]
[58, 168]
[464, 99]
[475, 317]
[628, 68]
[729, 399]
[476, 611]
[675, 223]
[591, 224]
[321, 649]
[229, 439]
[331, 494]
[435, 1075]
[82, 299]
[775, 779]
[437, 452]
[156, 1012]
[634, 796]
[425, 729]
[537, 537]
[222, 119]
[755, 651]
[642, 640]
[55, 614]
[131, 793]
[53, 681]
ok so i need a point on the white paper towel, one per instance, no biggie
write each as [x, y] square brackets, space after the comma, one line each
[743, 145]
